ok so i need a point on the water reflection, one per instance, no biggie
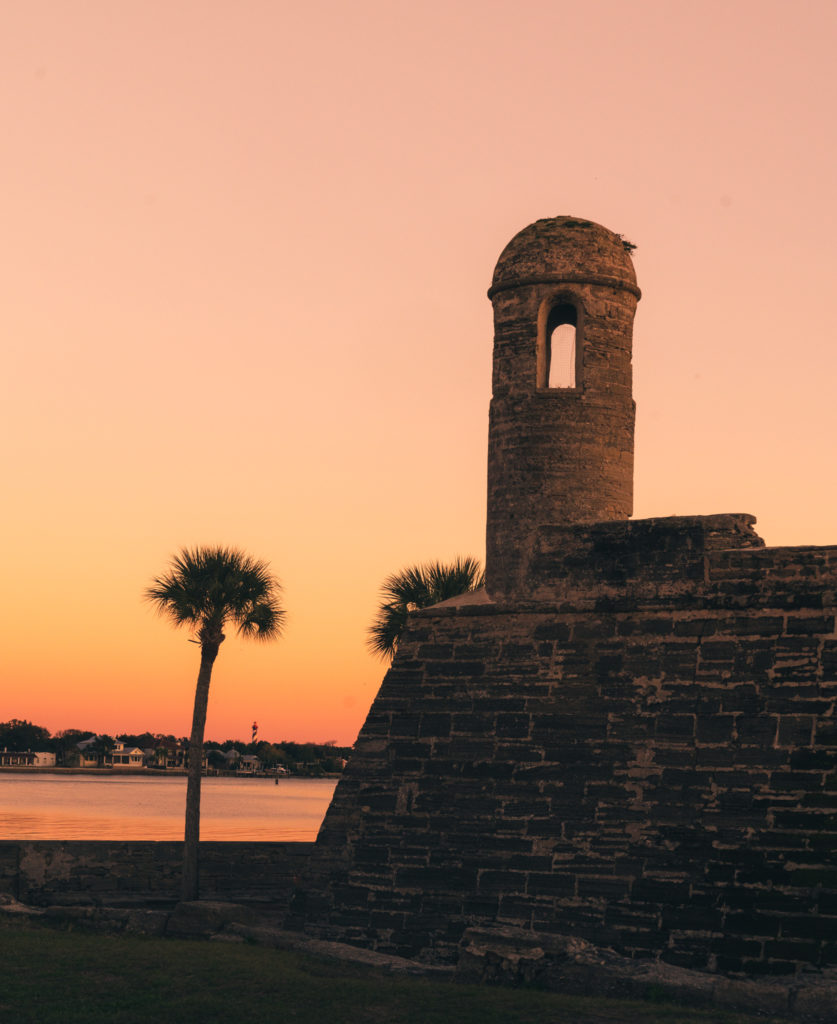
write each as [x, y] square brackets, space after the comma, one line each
[136, 807]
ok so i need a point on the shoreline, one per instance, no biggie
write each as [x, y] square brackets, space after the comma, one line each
[153, 773]
[101, 772]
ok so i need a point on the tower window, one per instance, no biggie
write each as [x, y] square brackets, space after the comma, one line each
[561, 346]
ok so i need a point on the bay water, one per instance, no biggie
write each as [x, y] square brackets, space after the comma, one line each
[54, 806]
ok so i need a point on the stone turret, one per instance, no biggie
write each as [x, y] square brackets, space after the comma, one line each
[561, 422]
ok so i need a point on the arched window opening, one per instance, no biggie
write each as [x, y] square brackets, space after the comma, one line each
[561, 346]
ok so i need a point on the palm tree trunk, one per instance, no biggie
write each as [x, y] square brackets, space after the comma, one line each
[209, 652]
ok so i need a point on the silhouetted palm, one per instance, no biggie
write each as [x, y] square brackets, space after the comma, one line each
[418, 586]
[205, 589]
[101, 746]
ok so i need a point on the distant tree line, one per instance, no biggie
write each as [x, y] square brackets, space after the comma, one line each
[296, 758]
[311, 759]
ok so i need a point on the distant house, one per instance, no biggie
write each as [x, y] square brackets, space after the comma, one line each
[17, 758]
[88, 758]
[169, 757]
[123, 756]
[242, 764]
[248, 764]
[26, 759]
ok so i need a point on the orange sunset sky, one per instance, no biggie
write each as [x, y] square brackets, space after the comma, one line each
[245, 253]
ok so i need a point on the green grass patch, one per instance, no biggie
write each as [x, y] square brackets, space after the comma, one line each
[72, 977]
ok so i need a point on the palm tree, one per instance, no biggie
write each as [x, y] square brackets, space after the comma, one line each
[101, 747]
[418, 586]
[205, 589]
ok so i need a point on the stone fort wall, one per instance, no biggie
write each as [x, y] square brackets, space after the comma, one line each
[642, 753]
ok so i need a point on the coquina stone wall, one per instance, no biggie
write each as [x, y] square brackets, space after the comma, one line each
[642, 753]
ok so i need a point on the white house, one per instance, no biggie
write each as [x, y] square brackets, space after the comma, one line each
[120, 756]
[123, 756]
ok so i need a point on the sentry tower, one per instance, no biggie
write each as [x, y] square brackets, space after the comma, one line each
[561, 421]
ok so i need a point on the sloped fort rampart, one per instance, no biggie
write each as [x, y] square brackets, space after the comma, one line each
[629, 736]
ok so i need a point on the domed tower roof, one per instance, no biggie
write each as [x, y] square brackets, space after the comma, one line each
[558, 249]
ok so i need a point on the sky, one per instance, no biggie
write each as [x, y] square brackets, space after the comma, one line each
[246, 248]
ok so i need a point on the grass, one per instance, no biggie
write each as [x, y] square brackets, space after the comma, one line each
[70, 977]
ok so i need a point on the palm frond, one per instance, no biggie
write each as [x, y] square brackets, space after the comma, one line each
[207, 586]
[265, 621]
[386, 630]
[460, 577]
[414, 587]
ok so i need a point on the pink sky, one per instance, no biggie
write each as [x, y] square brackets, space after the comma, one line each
[245, 255]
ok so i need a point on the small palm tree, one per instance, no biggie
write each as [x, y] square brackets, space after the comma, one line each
[418, 586]
[205, 589]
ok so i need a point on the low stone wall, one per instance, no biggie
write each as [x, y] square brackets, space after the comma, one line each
[41, 872]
